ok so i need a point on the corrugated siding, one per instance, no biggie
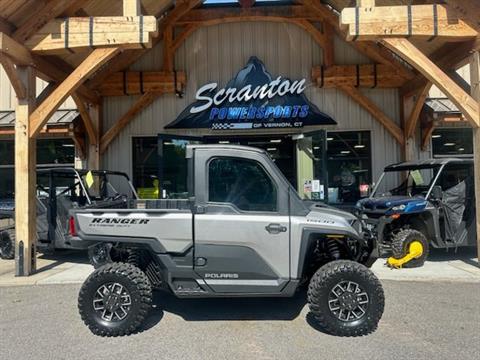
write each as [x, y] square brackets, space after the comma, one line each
[217, 53]
[8, 99]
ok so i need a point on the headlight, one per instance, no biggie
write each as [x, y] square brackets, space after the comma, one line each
[399, 208]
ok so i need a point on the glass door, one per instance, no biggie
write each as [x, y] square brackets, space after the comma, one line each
[172, 165]
[312, 179]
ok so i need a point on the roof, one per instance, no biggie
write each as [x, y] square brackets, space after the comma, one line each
[427, 164]
[61, 117]
[442, 105]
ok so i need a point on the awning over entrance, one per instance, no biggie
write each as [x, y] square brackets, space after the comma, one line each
[61, 119]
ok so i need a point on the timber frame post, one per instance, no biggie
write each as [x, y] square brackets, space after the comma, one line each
[25, 178]
[475, 88]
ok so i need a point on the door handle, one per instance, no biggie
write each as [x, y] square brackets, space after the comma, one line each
[275, 228]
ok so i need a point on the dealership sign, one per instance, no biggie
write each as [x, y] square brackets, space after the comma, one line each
[252, 100]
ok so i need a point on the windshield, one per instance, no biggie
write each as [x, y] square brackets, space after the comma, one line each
[411, 183]
[107, 186]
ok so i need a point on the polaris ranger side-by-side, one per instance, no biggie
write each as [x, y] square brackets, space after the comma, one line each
[244, 232]
[433, 206]
[59, 190]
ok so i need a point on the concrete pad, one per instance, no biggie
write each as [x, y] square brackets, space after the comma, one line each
[70, 267]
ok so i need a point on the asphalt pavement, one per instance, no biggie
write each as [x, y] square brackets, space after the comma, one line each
[422, 320]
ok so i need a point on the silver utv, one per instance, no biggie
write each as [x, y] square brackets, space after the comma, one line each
[243, 232]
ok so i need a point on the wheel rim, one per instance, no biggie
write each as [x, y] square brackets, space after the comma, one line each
[347, 301]
[112, 302]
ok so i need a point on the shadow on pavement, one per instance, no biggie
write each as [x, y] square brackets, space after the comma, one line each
[60, 257]
[467, 255]
[215, 309]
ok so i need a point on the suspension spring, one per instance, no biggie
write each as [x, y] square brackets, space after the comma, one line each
[333, 249]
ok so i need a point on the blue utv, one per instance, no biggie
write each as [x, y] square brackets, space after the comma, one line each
[434, 205]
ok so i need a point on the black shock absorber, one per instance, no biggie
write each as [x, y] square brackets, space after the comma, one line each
[333, 249]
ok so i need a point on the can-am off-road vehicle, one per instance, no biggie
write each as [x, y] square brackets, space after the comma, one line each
[434, 205]
[59, 190]
[244, 232]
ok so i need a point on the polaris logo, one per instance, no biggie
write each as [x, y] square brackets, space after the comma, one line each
[119, 221]
[221, 276]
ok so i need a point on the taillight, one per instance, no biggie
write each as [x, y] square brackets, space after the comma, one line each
[71, 226]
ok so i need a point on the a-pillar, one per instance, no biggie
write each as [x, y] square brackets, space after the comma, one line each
[475, 86]
[93, 152]
[25, 179]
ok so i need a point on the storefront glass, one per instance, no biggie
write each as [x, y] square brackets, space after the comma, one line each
[349, 166]
[452, 142]
[145, 166]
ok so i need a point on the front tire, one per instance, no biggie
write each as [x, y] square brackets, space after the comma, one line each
[115, 300]
[346, 298]
[401, 244]
[7, 244]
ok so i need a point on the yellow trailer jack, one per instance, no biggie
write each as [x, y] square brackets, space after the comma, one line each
[415, 250]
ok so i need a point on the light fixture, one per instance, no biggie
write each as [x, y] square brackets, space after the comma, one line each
[359, 146]
[436, 136]
[316, 147]
[449, 144]
[275, 141]
[345, 152]
[167, 143]
[271, 149]
[329, 138]
[224, 142]
[461, 149]
[68, 145]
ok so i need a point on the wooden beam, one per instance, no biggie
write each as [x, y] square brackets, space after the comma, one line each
[25, 179]
[46, 109]
[93, 149]
[375, 111]
[314, 31]
[168, 54]
[16, 51]
[369, 49]
[86, 119]
[406, 50]
[365, 3]
[180, 38]
[129, 57]
[475, 84]
[45, 93]
[427, 134]
[426, 21]
[446, 58]
[6, 27]
[362, 75]
[11, 72]
[60, 35]
[132, 8]
[80, 145]
[138, 83]
[143, 102]
[37, 20]
[329, 47]
[292, 12]
[419, 101]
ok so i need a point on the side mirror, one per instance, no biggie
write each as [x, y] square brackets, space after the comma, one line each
[437, 193]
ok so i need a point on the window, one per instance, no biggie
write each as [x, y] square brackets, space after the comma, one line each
[349, 166]
[145, 167]
[452, 142]
[243, 183]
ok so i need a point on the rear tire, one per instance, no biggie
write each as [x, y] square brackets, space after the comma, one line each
[401, 243]
[115, 300]
[7, 244]
[346, 298]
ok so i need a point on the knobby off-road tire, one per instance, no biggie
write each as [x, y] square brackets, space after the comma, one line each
[401, 242]
[346, 283]
[115, 300]
[7, 244]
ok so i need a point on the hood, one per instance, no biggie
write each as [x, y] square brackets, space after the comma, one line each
[390, 202]
[334, 219]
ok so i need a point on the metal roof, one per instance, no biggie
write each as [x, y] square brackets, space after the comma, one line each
[427, 164]
[60, 117]
[442, 105]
